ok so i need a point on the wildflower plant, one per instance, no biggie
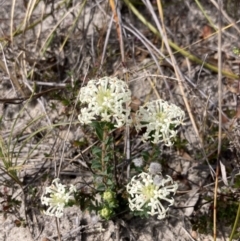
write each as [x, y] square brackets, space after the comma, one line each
[160, 120]
[105, 106]
[56, 197]
[106, 100]
[148, 192]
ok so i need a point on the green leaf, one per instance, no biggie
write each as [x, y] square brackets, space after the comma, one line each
[97, 152]
[96, 165]
[99, 129]
[101, 187]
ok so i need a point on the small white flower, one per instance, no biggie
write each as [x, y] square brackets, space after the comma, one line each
[148, 192]
[159, 118]
[106, 99]
[56, 197]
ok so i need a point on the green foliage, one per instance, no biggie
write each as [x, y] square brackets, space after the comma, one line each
[226, 212]
[104, 167]
[9, 205]
[152, 155]
[203, 224]
[85, 200]
[237, 182]
[100, 127]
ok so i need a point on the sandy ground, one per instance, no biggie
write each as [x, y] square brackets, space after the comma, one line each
[186, 25]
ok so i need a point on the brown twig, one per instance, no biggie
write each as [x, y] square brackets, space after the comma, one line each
[17, 101]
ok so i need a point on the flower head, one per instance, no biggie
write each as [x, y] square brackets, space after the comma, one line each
[57, 197]
[109, 196]
[159, 118]
[147, 192]
[106, 99]
[106, 213]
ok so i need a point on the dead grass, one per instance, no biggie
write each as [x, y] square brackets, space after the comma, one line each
[163, 49]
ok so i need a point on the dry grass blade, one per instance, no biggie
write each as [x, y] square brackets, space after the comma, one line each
[14, 81]
[232, 23]
[176, 47]
[118, 27]
[30, 7]
[12, 19]
[73, 25]
[205, 14]
[220, 117]
[50, 36]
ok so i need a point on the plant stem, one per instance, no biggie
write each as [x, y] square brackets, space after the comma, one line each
[235, 223]
[104, 148]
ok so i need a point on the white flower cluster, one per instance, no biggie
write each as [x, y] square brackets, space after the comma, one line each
[159, 118]
[147, 191]
[56, 197]
[107, 99]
